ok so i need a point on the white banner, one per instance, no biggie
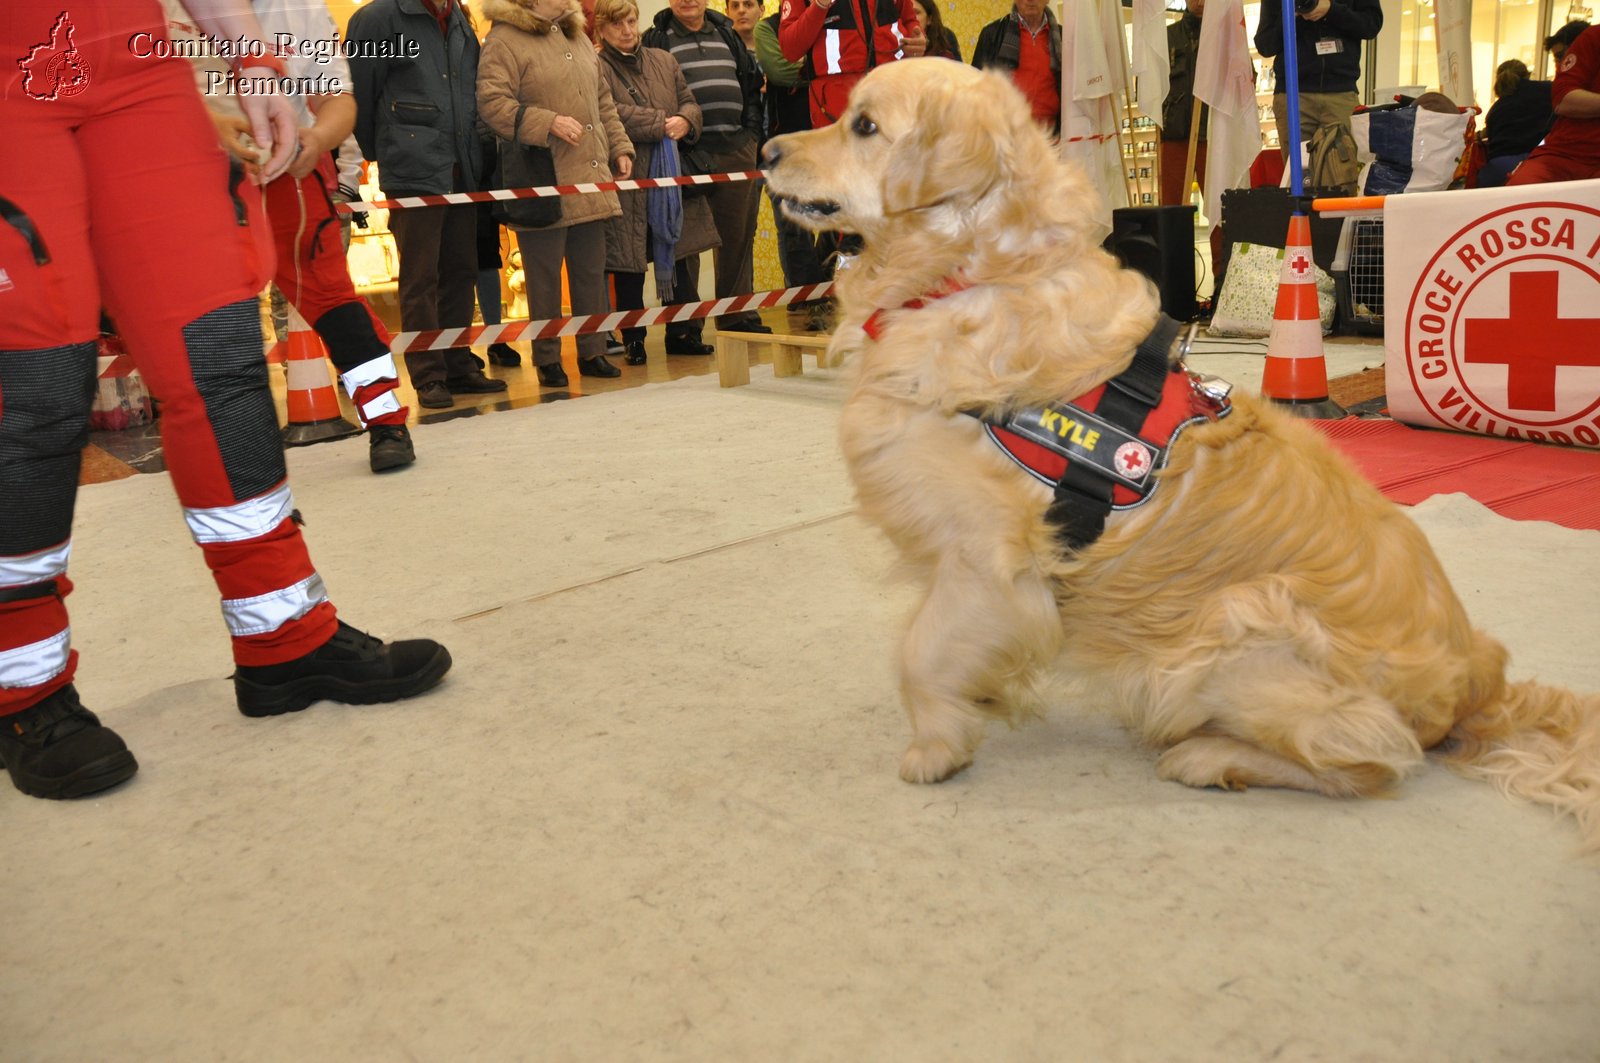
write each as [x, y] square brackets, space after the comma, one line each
[1452, 22]
[1492, 311]
[1089, 77]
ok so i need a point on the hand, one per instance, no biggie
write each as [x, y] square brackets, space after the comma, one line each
[311, 153]
[231, 130]
[677, 127]
[915, 46]
[623, 167]
[567, 128]
[1317, 13]
[272, 125]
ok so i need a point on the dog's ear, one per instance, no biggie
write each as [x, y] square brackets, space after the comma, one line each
[957, 150]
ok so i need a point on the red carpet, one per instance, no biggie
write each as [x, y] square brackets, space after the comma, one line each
[1523, 481]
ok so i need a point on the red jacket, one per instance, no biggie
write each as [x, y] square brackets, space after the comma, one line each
[1573, 138]
[838, 50]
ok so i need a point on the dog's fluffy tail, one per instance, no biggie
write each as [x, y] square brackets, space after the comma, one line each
[1532, 741]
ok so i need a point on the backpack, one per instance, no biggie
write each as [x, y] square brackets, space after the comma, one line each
[1333, 159]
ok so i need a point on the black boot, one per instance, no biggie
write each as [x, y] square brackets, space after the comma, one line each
[635, 355]
[58, 748]
[391, 447]
[552, 375]
[352, 667]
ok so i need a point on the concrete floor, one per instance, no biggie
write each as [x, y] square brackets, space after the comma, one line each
[653, 812]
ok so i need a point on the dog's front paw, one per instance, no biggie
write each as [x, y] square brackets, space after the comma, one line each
[932, 761]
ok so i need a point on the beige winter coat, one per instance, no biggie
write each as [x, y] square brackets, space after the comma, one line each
[551, 69]
[649, 88]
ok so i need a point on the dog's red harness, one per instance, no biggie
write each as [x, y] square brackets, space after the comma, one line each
[1101, 451]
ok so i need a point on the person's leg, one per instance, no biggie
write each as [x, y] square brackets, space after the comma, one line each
[458, 276]
[47, 378]
[684, 337]
[313, 274]
[797, 257]
[1542, 167]
[416, 239]
[488, 293]
[586, 282]
[1280, 118]
[159, 208]
[629, 289]
[1173, 156]
[734, 208]
[543, 251]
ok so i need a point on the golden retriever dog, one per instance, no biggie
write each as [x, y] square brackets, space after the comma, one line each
[1265, 617]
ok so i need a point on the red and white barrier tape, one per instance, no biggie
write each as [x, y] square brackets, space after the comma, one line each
[512, 331]
[502, 194]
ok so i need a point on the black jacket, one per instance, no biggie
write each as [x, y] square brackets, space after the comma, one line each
[1000, 42]
[1183, 47]
[1348, 21]
[750, 77]
[417, 118]
[1516, 123]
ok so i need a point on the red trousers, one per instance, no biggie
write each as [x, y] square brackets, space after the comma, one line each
[313, 275]
[114, 193]
[1542, 167]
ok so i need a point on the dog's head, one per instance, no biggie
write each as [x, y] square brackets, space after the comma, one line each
[925, 137]
[943, 172]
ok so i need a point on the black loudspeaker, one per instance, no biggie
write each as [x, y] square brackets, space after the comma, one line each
[1261, 216]
[1159, 242]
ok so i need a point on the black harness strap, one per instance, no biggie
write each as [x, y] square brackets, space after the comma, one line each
[19, 221]
[1083, 497]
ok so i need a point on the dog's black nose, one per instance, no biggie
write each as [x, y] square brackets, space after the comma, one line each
[771, 153]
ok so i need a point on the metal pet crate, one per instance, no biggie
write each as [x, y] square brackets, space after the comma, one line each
[1358, 275]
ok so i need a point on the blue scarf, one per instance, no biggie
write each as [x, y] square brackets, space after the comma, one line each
[663, 210]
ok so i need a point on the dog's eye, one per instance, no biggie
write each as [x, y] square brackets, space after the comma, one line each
[863, 126]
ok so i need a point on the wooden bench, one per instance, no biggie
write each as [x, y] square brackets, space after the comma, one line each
[733, 353]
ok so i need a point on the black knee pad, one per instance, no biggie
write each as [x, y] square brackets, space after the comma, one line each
[45, 395]
[230, 373]
[351, 339]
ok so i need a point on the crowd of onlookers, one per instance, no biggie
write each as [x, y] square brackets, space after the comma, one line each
[699, 91]
[695, 91]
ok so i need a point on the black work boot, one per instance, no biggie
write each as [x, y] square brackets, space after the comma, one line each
[391, 447]
[58, 748]
[351, 667]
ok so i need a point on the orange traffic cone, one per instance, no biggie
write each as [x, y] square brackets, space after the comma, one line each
[313, 404]
[1297, 373]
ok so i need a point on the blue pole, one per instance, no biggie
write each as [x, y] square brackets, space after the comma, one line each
[1291, 70]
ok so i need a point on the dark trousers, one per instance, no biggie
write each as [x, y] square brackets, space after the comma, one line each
[438, 249]
[628, 292]
[583, 248]
[799, 255]
[734, 208]
[1174, 157]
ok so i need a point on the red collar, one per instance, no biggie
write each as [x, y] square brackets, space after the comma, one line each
[948, 286]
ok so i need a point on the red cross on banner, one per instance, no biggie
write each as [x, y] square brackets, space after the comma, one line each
[1534, 341]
